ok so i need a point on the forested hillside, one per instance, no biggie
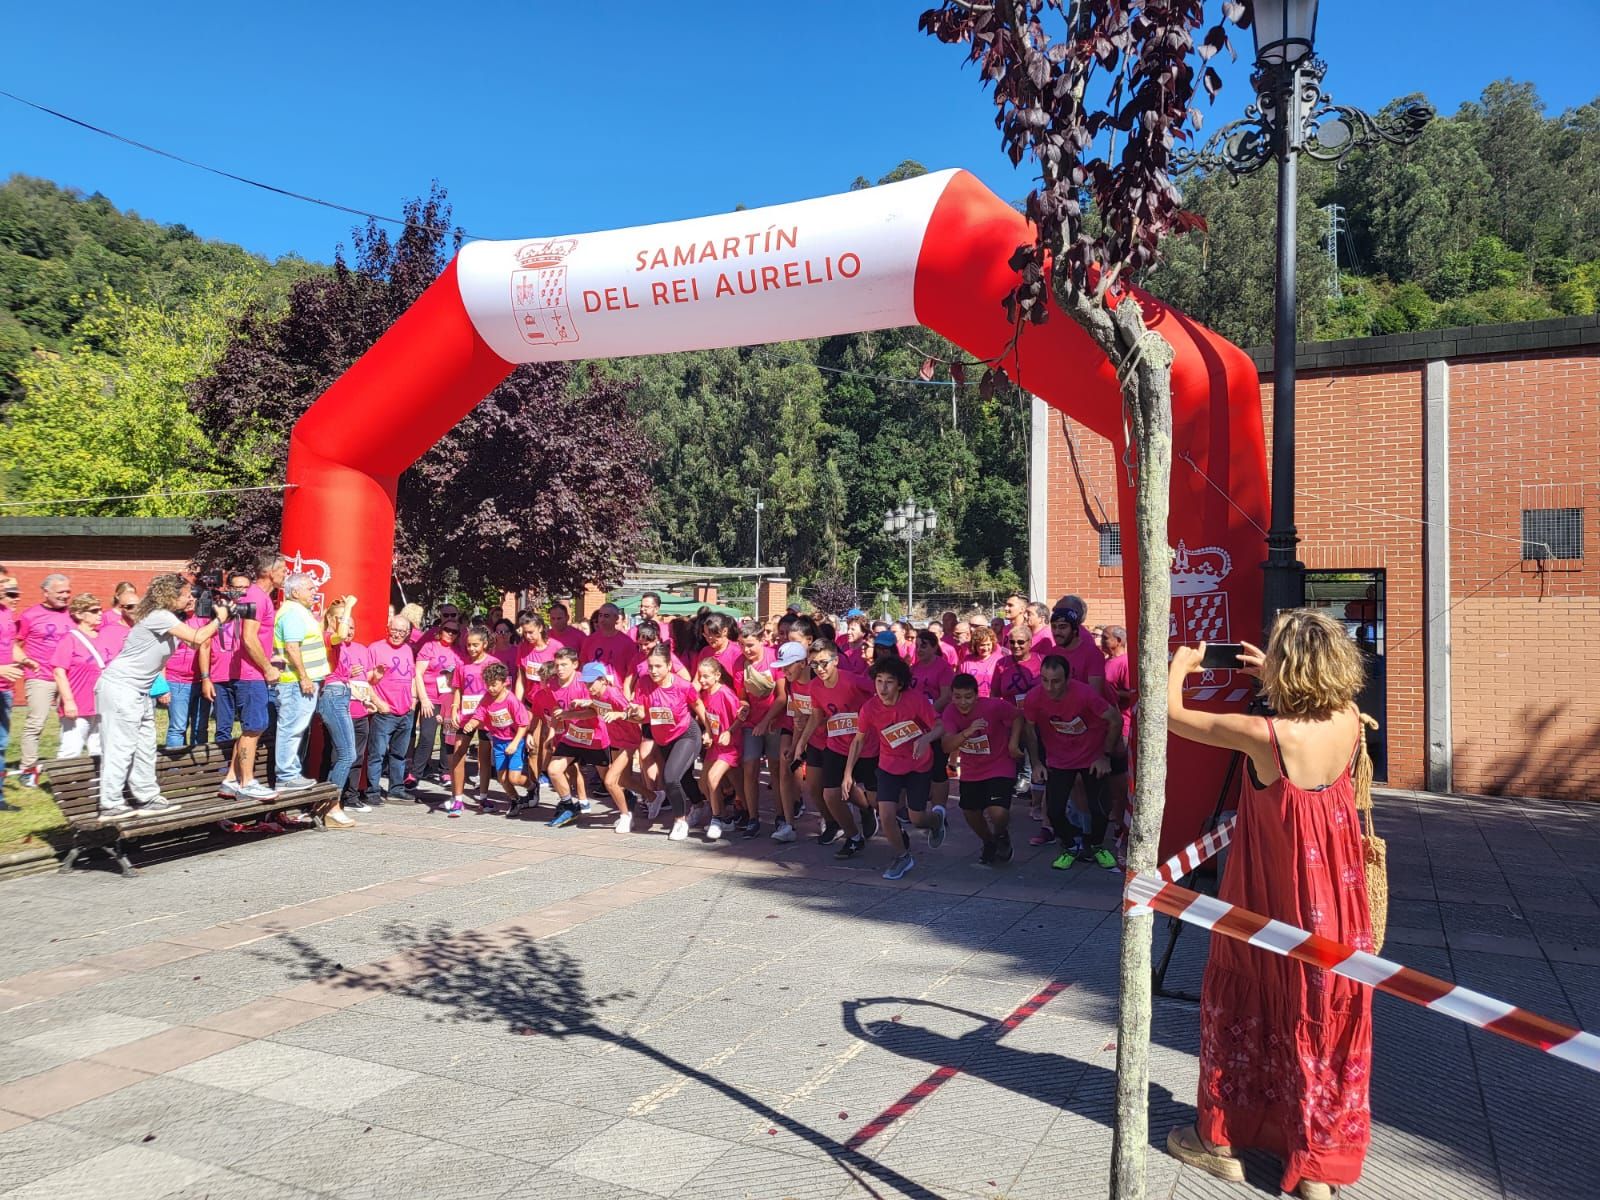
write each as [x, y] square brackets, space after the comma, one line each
[110, 324]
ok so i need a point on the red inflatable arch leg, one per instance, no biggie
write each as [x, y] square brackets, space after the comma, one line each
[931, 250]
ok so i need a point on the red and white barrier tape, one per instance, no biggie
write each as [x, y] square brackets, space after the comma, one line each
[1152, 891]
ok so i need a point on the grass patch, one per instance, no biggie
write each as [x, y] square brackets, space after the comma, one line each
[37, 821]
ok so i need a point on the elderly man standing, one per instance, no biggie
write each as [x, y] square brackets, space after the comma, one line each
[38, 631]
[297, 640]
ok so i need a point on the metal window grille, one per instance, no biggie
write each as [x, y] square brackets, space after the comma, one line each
[1110, 544]
[1552, 533]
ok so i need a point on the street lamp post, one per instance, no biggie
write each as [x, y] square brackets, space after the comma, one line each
[1291, 117]
[759, 507]
[911, 522]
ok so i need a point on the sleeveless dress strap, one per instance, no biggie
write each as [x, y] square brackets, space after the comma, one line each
[1355, 751]
[1277, 752]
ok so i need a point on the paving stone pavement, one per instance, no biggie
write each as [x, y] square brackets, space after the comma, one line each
[484, 1008]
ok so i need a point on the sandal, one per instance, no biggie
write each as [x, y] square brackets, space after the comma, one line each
[1187, 1146]
[1311, 1189]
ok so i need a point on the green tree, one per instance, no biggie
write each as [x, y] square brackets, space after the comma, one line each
[111, 416]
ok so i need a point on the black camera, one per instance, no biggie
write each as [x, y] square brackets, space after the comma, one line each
[210, 590]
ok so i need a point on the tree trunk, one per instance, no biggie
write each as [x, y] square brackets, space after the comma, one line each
[1149, 387]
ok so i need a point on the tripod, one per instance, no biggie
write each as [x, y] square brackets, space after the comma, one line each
[1192, 880]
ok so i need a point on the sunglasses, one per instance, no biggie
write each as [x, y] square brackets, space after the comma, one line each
[819, 666]
[10, 592]
[128, 607]
[451, 628]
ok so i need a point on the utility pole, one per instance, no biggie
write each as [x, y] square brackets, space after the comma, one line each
[759, 507]
[1330, 245]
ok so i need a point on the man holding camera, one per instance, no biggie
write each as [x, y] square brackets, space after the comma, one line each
[247, 690]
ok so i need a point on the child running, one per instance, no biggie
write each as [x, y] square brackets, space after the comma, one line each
[986, 732]
[722, 742]
[581, 737]
[470, 689]
[906, 726]
[506, 720]
[677, 723]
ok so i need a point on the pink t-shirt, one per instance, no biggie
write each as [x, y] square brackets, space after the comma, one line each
[932, 678]
[39, 630]
[113, 633]
[1119, 674]
[77, 660]
[897, 729]
[985, 753]
[470, 687]
[796, 704]
[8, 634]
[1071, 729]
[950, 653]
[531, 660]
[1044, 640]
[438, 663]
[503, 718]
[641, 673]
[624, 734]
[840, 706]
[1013, 680]
[571, 637]
[667, 707]
[759, 706]
[983, 669]
[351, 661]
[617, 651]
[722, 714]
[180, 666]
[239, 666]
[730, 656]
[1083, 657]
[399, 666]
[583, 729]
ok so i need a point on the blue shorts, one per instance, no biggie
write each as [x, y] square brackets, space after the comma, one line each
[504, 761]
[245, 699]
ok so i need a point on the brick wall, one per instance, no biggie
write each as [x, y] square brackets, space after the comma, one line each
[1525, 702]
[1524, 432]
[94, 564]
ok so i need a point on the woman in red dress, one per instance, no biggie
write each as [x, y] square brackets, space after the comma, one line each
[1286, 1048]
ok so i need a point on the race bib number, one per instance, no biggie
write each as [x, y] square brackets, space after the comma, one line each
[361, 690]
[1070, 728]
[900, 733]
[799, 705]
[976, 743]
[531, 669]
[443, 682]
[842, 725]
[660, 714]
[579, 735]
[601, 707]
[469, 704]
[500, 718]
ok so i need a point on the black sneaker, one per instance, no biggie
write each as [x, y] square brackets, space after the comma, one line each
[831, 830]
[1004, 851]
[869, 824]
[988, 855]
[850, 847]
[375, 800]
[752, 828]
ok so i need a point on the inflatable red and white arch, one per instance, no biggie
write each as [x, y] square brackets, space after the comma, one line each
[931, 251]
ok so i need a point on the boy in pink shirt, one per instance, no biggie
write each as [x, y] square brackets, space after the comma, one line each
[582, 738]
[835, 698]
[506, 721]
[905, 727]
[986, 732]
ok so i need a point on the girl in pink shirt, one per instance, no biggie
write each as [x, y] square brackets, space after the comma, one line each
[722, 741]
[677, 720]
[470, 690]
[983, 658]
[75, 664]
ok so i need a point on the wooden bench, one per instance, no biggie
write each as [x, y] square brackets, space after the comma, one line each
[187, 776]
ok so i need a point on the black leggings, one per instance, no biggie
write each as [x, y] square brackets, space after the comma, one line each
[678, 758]
[1058, 792]
[427, 734]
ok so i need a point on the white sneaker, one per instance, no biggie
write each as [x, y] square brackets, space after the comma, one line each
[783, 833]
[680, 831]
[698, 816]
[653, 810]
[714, 830]
[256, 790]
[624, 823]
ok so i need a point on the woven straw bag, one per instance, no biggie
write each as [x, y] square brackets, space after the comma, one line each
[757, 683]
[1374, 850]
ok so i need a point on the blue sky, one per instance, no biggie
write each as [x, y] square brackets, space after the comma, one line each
[546, 118]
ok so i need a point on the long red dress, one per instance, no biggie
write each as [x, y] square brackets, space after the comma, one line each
[1286, 1048]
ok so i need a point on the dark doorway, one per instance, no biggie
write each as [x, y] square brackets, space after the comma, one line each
[1356, 600]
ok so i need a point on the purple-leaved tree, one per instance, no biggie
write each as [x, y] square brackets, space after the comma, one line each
[539, 486]
[1099, 94]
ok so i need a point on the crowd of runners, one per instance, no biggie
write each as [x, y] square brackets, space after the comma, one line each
[847, 727]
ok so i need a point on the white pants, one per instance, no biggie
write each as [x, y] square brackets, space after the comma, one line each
[79, 735]
[127, 744]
